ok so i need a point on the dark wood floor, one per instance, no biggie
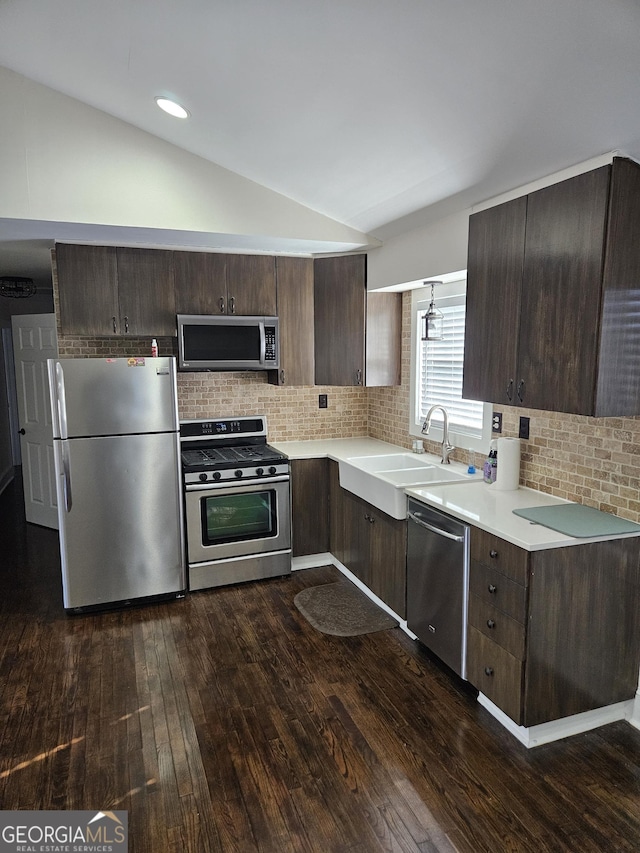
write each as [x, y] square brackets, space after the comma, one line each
[225, 722]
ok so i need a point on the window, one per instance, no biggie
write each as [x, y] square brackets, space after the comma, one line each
[437, 372]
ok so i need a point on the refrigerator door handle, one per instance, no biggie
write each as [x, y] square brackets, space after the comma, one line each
[66, 477]
[61, 401]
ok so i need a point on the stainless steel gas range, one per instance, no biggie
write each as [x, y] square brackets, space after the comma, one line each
[237, 502]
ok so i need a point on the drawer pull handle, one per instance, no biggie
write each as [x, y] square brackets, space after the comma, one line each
[492, 588]
[488, 670]
[493, 554]
[491, 623]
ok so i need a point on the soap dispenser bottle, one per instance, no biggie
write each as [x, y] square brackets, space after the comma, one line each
[491, 463]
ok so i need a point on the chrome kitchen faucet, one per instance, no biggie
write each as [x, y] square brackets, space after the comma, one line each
[447, 447]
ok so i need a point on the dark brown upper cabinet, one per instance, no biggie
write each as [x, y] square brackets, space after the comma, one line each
[251, 285]
[295, 312]
[357, 334]
[145, 291]
[552, 295]
[200, 282]
[88, 289]
[213, 283]
[109, 291]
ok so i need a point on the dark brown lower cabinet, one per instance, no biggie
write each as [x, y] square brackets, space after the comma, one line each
[369, 543]
[556, 632]
[310, 506]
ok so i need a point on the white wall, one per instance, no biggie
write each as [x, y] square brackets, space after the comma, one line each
[62, 161]
[430, 251]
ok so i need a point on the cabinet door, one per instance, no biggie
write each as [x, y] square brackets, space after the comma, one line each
[251, 285]
[295, 312]
[88, 289]
[200, 282]
[338, 533]
[357, 534]
[583, 643]
[310, 506]
[348, 527]
[388, 559]
[383, 339]
[561, 294]
[339, 311]
[145, 286]
[496, 673]
[494, 279]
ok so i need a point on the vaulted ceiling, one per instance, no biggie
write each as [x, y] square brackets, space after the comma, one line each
[381, 115]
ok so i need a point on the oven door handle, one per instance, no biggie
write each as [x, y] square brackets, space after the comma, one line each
[234, 484]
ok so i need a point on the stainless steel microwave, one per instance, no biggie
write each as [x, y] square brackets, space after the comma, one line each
[221, 342]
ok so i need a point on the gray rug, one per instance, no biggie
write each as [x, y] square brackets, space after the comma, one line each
[342, 610]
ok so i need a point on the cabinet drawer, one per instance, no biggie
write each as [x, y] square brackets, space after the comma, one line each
[495, 673]
[498, 590]
[497, 626]
[501, 555]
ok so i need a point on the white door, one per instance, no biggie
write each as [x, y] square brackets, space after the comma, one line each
[34, 341]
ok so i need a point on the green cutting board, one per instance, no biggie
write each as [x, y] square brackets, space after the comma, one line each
[576, 520]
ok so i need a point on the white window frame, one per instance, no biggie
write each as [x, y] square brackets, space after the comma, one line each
[459, 438]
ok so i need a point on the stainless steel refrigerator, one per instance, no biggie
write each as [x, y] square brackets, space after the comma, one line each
[117, 460]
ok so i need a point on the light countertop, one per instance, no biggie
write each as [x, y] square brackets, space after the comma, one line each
[484, 507]
[474, 502]
[336, 448]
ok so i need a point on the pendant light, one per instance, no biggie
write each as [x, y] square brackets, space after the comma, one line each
[432, 320]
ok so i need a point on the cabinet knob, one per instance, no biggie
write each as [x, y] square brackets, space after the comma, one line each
[510, 390]
[282, 377]
[358, 377]
[126, 325]
[488, 670]
[492, 588]
[520, 391]
[115, 325]
[491, 623]
[22, 431]
[493, 554]
[221, 304]
[232, 305]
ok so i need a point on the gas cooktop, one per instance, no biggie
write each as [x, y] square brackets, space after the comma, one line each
[229, 449]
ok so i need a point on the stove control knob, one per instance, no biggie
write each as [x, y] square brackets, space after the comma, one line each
[217, 475]
[203, 476]
[272, 469]
[259, 471]
[238, 473]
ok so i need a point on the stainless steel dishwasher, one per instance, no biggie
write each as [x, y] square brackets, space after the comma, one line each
[438, 583]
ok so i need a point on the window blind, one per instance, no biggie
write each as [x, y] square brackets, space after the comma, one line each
[440, 366]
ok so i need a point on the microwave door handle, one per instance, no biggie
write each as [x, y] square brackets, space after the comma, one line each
[263, 344]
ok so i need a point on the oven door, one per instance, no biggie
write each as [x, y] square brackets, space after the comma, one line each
[225, 521]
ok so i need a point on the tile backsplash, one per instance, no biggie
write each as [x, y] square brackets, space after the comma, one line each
[594, 461]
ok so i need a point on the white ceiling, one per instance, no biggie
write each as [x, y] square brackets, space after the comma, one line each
[382, 114]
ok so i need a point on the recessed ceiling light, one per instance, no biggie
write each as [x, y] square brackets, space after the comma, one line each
[172, 107]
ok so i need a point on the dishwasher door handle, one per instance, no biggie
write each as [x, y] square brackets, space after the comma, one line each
[412, 517]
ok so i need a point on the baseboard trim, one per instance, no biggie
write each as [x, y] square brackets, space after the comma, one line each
[559, 729]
